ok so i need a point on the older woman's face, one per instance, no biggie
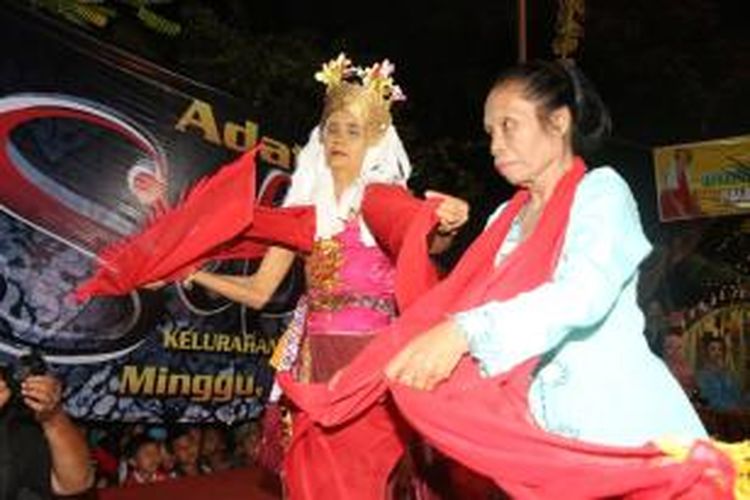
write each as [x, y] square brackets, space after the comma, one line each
[522, 146]
[344, 141]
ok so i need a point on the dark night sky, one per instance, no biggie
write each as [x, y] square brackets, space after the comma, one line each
[445, 55]
[670, 70]
[659, 65]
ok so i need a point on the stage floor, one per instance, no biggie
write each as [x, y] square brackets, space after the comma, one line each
[237, 484]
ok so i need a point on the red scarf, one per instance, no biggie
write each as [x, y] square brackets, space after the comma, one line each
[218, 220]
[485, 422]
[400, 223]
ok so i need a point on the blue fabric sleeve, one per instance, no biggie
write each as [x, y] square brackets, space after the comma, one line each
[604, 245]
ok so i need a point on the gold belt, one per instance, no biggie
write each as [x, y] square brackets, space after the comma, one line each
[337, 302]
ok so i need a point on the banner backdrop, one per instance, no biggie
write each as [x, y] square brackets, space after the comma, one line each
[703, 179]
[92, 140]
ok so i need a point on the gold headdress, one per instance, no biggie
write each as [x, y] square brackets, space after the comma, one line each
[367, 91]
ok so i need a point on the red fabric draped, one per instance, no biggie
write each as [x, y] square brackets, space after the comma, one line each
[216, 221]
[344, 463]
[485, 422]
[394, 216]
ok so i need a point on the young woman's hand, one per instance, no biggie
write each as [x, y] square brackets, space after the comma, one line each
[452, 212]
[155, 285]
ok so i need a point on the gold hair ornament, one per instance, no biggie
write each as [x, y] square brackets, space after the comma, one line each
[376, 78]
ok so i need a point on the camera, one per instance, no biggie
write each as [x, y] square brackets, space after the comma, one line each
[30, 364]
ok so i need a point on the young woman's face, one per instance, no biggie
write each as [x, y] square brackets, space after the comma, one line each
[344, 141]
[523, 147]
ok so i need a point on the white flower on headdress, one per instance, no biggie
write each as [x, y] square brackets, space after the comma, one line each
[360, 72]
[335, 70]
[387, 68]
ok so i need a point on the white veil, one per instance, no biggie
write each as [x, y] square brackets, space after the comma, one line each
[312, 182]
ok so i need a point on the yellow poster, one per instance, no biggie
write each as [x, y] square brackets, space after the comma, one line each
[703, 179]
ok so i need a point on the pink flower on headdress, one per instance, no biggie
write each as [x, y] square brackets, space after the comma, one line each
[376, 78]
[397, 94]
[380, 74]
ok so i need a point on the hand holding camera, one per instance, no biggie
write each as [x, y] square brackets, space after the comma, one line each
[28, 387]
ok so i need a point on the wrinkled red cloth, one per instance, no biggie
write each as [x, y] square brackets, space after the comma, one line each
[485, 423]
[270, 452]
[395, 216]
[347, 462]
[217, 220]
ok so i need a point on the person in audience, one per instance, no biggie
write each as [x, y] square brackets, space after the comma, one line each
[674, 357]
[144, 461]
[247, 443]
[214, 449]
[186, 452]
[718, 386]
[168, 462]
[42, 452]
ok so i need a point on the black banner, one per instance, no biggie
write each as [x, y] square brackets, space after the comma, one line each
[93, 139]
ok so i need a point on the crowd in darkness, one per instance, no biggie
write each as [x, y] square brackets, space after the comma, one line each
[710, 381]
[131, 454]
[128, 454]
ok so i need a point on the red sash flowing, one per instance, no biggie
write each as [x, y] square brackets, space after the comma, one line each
[485, 422]
[218, 220]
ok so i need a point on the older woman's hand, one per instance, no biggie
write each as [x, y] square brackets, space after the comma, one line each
[452, 212]
[429, 358]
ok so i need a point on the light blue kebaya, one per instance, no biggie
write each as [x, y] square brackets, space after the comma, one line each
[598, 381]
